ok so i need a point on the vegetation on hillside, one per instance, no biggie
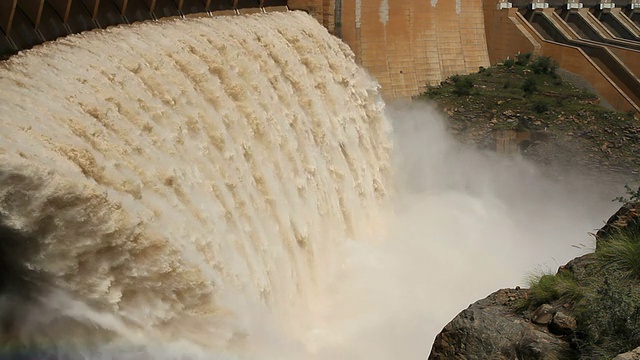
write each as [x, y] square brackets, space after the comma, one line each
[600, 290]
[529, 94]
[532, 94]
[604, 297]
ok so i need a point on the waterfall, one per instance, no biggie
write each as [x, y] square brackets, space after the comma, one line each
[176, 182]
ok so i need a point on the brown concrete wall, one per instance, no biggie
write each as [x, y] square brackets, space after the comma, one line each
[630, 58]
[408, 45]
[575, 60]
[505, 36]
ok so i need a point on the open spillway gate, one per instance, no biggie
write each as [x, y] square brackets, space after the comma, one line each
[26, 23]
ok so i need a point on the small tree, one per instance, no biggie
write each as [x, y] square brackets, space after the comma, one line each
[543, 65]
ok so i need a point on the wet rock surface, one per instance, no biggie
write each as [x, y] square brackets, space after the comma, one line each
[490, 329]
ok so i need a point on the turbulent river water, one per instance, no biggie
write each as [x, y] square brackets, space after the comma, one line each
[225, 188]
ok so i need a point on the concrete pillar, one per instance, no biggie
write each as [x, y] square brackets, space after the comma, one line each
[605, 4]
[538, 5]
[573, 4]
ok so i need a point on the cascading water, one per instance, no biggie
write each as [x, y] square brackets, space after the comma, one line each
[172, 182]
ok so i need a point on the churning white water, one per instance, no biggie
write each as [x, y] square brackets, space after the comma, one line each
[221, 189]
[175, 176]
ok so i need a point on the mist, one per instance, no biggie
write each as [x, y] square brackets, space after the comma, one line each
[461, 224]
[464, 224]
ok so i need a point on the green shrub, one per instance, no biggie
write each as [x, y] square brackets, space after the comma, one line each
[609, 320]
[506, 84]
[462, 85]
[523, 59]
[509, 63]
[620, 254]
[569, 288]
[542, 289]
[609, 315]
[530, 86]
[433, 92]
[543, 65]
[541, 106]
[484, 71]
[634, 195]
[547, 288]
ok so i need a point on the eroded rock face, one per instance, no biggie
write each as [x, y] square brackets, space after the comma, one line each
[489, 329]
[626, 218]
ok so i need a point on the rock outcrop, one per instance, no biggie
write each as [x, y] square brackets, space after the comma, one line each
[631, 355]
[498, 328]
[491, 329]
[626, 218]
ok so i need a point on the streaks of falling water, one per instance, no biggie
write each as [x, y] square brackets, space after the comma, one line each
[166, 172]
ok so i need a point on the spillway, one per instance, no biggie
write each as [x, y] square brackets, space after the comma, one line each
[170, 183]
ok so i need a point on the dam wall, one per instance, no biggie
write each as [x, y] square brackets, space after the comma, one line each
[506, 35]
[407, 45]
[610, 69]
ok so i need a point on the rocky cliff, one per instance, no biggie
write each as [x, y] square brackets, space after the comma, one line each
[589, 309]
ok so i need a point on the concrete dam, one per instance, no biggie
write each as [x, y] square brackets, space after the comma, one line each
[405, 45]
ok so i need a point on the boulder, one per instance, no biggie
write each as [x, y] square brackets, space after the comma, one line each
[490, 329]
[631, 355]
[563, 324]
[543, 314]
